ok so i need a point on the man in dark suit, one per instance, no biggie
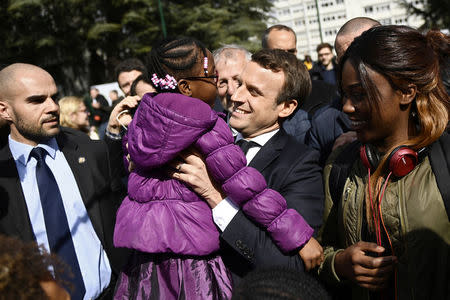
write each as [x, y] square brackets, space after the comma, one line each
[271, 85]
[73, 171]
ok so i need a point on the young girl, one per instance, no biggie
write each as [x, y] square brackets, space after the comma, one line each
[170, 225]
[387, 234]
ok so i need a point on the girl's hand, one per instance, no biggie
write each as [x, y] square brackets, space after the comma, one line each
[369, 272]
[311, 254]
[190, 168]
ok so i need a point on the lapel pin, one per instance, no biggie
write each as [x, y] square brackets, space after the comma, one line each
[81, 160]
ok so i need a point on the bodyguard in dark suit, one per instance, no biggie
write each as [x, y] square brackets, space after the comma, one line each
[271, 85]
[44, 168]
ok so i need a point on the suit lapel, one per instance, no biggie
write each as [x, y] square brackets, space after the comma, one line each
[270, 151]
[14, 217]
[79, 162]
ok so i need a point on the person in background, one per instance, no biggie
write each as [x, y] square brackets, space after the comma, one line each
[308, 62]
[127, 71]
[99, 111]
[230, 60]
[115, 99]
[326, 68]
[141, 86]
[330, 127]
[280, 37]
[283, 37]
[73, 114]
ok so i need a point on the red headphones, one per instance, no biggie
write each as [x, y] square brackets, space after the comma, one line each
[401, 161]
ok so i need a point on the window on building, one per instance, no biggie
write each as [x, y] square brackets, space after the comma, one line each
[326, 4]
[311, 6]
[368, 9]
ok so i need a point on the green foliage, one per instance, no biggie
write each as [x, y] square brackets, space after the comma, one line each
[99, 30]
[80, 41]
[436, 13]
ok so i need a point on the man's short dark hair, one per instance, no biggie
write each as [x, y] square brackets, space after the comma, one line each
[129, 65]
[324, 45]
[297, 82]
[265, 35]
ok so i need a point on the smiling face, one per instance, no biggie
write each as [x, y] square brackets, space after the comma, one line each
[229, 69]
[255, 110]
[30, 109]
[383, 127]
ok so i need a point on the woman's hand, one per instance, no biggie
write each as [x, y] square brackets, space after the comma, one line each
[311, 254]
[191, 169]
[369, 272]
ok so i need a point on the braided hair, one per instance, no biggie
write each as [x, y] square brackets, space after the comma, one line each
[178, 57]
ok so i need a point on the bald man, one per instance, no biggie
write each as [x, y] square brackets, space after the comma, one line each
[55, 183]
[330, 127]
[280, 37]
[349, 31]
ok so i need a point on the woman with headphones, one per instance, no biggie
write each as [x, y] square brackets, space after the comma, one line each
[387, 234]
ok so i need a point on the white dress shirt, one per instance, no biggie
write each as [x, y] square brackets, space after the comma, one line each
[225, 211]
[92, 258]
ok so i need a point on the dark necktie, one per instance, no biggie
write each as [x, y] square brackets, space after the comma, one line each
[246, 145]
[56, 225]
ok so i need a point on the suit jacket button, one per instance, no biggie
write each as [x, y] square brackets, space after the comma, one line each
[240, 244]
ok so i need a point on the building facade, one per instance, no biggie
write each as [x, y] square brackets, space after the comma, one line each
[303, 17]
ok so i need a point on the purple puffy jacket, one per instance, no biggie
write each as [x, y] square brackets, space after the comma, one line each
[163, 215]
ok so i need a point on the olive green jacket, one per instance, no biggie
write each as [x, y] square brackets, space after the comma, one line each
[414, 214]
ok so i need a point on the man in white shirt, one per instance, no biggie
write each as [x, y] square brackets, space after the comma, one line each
[77, 180]
[270, 87]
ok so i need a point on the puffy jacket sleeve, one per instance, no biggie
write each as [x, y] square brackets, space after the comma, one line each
[248, 189]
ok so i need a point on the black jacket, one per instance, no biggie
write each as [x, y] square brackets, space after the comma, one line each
[292, 169]
[93, 177]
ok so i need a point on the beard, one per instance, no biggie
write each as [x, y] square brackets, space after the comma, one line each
[37, 133]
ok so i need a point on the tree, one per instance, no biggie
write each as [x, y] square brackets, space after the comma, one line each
[80, 41]
[436, 13]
